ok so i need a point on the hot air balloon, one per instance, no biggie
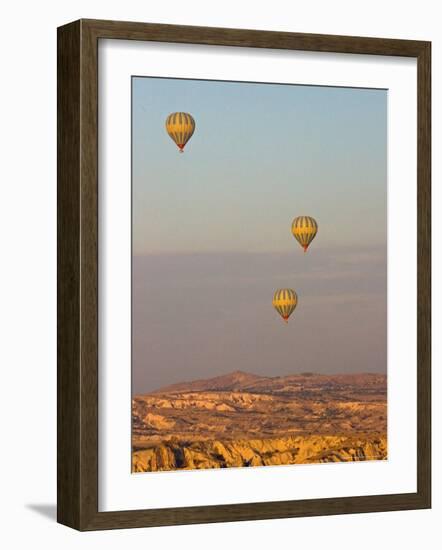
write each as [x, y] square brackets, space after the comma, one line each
[180, 127]
[285, 301]
[304, 229]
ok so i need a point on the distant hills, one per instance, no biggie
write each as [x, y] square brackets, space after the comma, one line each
[236, 380]
[243, 381]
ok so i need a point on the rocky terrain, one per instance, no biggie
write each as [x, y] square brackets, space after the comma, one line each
[241, 419]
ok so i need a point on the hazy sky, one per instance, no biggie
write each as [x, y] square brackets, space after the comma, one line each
[211, 230]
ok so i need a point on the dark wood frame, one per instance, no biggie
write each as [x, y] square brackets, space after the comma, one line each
[77, 223]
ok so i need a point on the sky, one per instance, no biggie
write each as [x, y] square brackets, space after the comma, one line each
[212, 239]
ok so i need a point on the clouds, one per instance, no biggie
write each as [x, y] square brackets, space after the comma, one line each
[198, 315]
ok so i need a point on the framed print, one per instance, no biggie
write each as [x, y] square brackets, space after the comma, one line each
[243, 275]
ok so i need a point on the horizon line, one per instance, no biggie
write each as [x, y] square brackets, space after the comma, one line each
[305, 374]
[254, 252]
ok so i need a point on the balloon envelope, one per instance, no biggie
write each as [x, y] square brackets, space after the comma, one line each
[304, 229]
[285, 301]
[180, 127]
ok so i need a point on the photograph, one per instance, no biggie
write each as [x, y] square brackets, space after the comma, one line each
[259, 274]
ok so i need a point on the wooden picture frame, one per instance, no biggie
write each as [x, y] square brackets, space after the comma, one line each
[77, 462]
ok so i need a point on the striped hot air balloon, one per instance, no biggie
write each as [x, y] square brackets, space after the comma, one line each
[180, 127]
[304, 229]
[285, 301]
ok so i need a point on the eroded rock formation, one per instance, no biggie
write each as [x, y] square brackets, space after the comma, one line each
[242, 420]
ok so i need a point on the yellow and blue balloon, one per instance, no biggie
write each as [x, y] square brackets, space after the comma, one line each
[285, 301]
[180, 127]
[304, 229]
